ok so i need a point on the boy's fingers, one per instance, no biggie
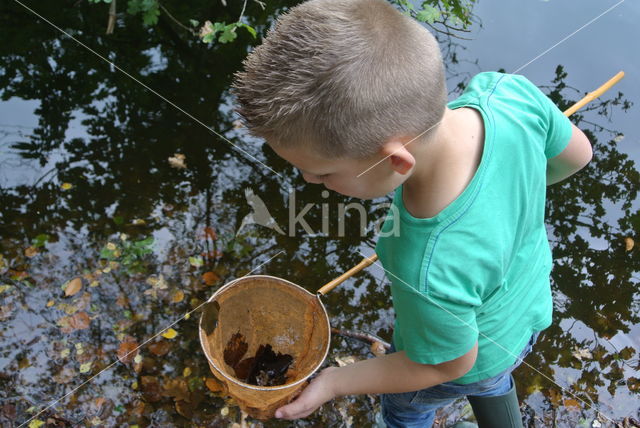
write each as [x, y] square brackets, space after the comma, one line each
[290, 411]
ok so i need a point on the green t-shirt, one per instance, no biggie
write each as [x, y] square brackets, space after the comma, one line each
[479, 270]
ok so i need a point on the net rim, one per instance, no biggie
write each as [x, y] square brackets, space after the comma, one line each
[256, 387]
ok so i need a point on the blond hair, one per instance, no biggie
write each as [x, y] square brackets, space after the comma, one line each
[342, 77]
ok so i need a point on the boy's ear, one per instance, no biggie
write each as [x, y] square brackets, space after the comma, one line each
[402, 161]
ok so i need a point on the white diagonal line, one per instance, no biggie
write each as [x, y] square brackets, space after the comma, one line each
[377, 263]
[509, 75]
[147, 87]
[404, 145]
[138, 347]
[570, 35]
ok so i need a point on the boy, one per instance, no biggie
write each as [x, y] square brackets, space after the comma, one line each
[352, 93]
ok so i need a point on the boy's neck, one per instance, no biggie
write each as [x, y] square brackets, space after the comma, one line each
[446, 164]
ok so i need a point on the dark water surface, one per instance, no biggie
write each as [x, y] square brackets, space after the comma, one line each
[85, 181]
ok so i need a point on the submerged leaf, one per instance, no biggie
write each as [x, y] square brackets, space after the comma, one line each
[127, 351]
[235, 349]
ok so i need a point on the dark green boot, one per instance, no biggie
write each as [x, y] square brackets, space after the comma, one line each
[501, 411]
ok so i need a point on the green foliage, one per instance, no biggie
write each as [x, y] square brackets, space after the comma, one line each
[40, 240]
[451, 12]
[222, 32]
[129, 253]
[150, 10]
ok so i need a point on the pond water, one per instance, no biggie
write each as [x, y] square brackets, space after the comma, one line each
[91, 188]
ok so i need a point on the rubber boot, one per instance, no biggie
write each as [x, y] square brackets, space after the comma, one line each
[501, 411]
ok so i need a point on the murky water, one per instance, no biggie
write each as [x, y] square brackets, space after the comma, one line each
[86, 181]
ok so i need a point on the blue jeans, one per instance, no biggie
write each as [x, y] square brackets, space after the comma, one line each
[418, 408]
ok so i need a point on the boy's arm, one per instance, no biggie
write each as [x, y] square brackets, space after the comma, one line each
[572, 159]
[390, 373]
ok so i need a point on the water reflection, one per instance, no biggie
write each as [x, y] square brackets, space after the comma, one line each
[115, 161]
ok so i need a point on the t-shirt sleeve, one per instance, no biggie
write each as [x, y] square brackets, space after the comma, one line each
[432, 329]
[557, 126]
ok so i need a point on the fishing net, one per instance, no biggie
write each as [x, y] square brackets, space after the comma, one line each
[255, 311]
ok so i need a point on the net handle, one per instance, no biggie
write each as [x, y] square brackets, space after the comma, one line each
[595, 94]
[366, 262]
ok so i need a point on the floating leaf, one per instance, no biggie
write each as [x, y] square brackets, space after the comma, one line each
[345, 361]
[4, 288]
[196, 261]
[50, 303]
[210, 278]
[377, 349]
[73, 287]
[177, 297]
[628, 243]
[31, 252]
[210, 316]
[581, 353]
[214, 385]
[79, 321]
[84, 368]
[65, 353]
[111, 246]
[571, 403]
[36, 423]
[66, 186]
[137, 359]
[224, 411]
[177, 161]
[170, 334]
[186, 372]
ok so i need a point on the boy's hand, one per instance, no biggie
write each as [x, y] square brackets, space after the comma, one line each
[319, 391]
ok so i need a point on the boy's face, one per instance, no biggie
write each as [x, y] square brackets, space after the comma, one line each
[341, 175]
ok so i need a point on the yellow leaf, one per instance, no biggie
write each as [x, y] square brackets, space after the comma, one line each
[4, 288]
[224, 411]
[73, 287]
[50, 303]
[186, 372]
[94, 284]
[65, 353]
[170, 334]
[84, 368]
[628, 243]
[177, 296]
[66, 186]
[111, 246]
[187, 316]
[36, 423]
